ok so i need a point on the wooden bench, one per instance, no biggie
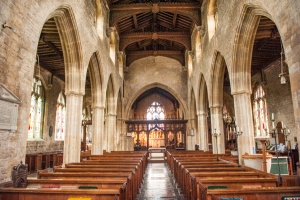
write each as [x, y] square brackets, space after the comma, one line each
[132, 184]
[59, 194]
[274, 193]
[95, 166]
[200, 176]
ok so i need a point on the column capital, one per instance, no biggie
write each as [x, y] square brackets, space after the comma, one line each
[99, 107]
[202, 113]
[216, 106]
[241, 92]
[111, 115]
[74, 93]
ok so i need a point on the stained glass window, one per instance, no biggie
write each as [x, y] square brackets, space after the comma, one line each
[260, 112]
[60, 118]
[155, 111]
[35, 122]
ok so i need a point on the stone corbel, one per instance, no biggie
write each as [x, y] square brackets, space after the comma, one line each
[192, 54]
[109, 30]
[120, 55]
[201, 30]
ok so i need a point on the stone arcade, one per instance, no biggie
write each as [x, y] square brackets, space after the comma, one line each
[92, 77]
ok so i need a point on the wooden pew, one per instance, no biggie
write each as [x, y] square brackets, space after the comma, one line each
[98, 166]
[59, 194]
[131, 186]
[201, 173]
[274, 193]
[205, 184]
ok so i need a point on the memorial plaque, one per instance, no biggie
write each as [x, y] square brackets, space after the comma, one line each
[9, 104]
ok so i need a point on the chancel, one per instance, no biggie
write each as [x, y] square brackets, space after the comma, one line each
[163, 99]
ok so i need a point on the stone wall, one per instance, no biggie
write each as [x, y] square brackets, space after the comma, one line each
[52, 91]
[158, 71]
[18, 57]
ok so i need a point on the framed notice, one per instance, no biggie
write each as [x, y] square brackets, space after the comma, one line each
[9, 104]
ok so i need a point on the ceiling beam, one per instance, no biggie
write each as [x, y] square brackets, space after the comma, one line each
[182, 38]
[135, 22]
[135, 55]
[174, 19]
[191, 10]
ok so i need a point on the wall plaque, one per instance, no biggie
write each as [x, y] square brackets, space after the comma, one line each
[9, 104]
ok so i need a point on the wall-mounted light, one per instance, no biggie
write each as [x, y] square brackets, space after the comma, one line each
[6, 25]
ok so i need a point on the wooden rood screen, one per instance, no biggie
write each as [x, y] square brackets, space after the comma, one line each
[177, 127]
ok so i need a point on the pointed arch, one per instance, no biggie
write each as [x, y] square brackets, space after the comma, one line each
[96, 77]
[217, 80]
[72, 50]
[202, 102]
[159, 85]
[240, 72]
[119, 119]
[202, 112]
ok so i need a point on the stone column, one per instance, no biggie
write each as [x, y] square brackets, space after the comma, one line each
[98, 130]
[244, 120]
[202, 135]
[190, 141]
[217, 123]
[72, 143]
[111, 131]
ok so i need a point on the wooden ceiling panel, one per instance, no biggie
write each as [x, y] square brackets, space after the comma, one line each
[50, 50]
[267, 45]
[152, 18]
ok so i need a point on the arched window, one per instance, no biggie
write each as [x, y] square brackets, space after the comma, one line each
[260, 112]
[35, 125]
[155, 111]
[60, 117]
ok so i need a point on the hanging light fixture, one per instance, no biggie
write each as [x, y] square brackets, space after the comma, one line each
[281, 75]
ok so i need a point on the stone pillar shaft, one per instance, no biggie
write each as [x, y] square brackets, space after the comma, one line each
[217, 123]
[98, 130]
[244, 120]
[72, 146]
[111, 131]
[202, 132]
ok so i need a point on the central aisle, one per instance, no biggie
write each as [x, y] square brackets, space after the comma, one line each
[159, 184]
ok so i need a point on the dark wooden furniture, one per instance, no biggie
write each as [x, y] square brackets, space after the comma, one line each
[39, 161]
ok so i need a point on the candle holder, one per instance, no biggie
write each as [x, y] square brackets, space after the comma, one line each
[238, 133]
[286, 133]
[216, 135]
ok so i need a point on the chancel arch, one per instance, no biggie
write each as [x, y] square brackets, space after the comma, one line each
[155, 118]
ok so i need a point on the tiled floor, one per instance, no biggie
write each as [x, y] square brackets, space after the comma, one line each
[158, 184]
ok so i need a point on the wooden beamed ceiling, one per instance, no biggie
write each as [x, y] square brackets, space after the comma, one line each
[155, 28]
[267, 45]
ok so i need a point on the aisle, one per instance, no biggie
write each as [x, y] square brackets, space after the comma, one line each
[158, 184]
